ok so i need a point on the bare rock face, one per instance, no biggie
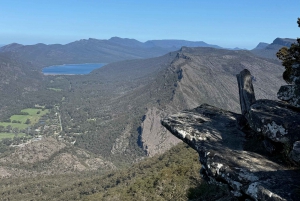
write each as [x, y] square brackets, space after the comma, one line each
[49, 156]
[295, 74]
[154, 137]
[278, 121]
[223, 138]
[291, 93]
[122, 142]
[295, 153]
[213, 133]
[246, 91]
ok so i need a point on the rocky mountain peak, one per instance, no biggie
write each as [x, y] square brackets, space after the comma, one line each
[126, 41]
[261, 45]
[11, 47]
[284, 41]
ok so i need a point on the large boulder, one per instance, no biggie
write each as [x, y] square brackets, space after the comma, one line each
[227, 153]
[291, 93]
[214, 134]
[295, 153]
[294, 75]
[278, 121]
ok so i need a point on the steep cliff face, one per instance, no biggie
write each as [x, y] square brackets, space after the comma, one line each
[155, 138]
[205, 75]
[208, 76]
[122, 142]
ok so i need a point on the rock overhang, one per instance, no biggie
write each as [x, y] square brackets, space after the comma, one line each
[219, 138]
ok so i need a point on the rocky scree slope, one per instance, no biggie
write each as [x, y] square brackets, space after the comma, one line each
[49, 156]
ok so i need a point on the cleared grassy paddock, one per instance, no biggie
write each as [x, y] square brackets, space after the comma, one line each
[10, 135]
[33, 116]
[14, 125]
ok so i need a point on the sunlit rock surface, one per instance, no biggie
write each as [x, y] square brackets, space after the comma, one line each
[229, 153]
[276, 120]
[214, 134]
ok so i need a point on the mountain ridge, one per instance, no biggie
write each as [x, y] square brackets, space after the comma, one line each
[95, 50]
[178, 80]
[270, 50]
[261, 45]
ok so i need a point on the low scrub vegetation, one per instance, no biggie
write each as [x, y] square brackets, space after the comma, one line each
[173, 175]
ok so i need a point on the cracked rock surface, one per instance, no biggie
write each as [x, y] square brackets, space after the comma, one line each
[214, 134]
[278, 121]
[291, 93]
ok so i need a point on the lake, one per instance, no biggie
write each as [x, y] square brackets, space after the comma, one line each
[71, 69]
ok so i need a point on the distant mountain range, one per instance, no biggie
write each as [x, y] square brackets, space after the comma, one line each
[176, 44]
[269, 50]
[94, 50]
[118, 49]
[114, 112]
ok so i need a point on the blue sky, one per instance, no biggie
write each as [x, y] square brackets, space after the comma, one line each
[231, 23]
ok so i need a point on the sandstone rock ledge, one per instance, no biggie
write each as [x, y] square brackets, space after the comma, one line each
[214, 134]
[227, 149]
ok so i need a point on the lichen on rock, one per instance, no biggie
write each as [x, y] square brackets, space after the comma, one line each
[220, 138]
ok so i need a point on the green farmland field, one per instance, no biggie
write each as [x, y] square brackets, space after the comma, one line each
[32, 116]
[10, 135]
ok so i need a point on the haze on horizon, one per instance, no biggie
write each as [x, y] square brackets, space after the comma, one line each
[231, 24]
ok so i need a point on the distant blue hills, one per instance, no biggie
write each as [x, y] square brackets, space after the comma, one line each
[98, 51]
[269, 50]
[117, 49]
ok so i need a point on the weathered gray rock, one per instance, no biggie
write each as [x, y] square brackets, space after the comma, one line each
[213, 133]
[295, 74]
[290, 94]
[295, 153]
[246, 91]
[278, 121]
[269, 146]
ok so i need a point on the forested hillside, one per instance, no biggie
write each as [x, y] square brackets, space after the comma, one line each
[22, 85]
[111, 111]
[110, 119]
[173, 175]
[176, 81]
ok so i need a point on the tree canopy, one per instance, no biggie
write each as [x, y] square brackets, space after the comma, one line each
[290, 56]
